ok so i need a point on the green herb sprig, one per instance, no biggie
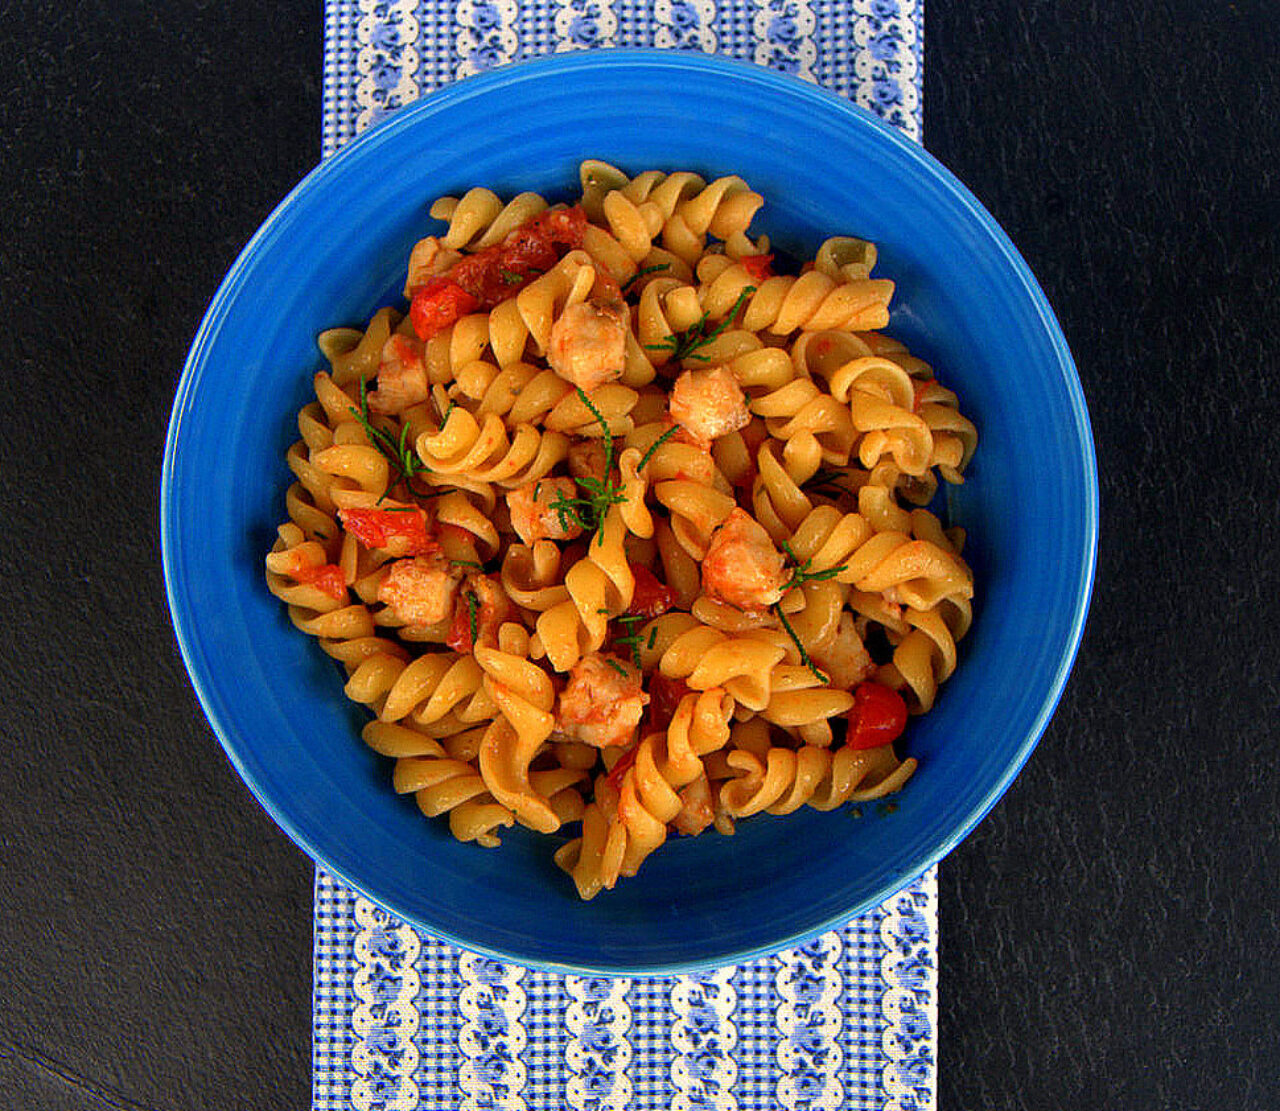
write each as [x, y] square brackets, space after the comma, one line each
[684, 345]
[398, 451]
[473, 616]
[588, 511]
[805, 658]
[800, 574]
[631, 638]
[653, 447]
[626, 286]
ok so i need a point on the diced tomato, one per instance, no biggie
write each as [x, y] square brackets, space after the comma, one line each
[490, 279]
[533, 245]
[878, 716]
[437, 303]
[651, 598]
[492, 275]
[377, 528]
[758, 266]
[564, 227]
[619, 770]
[326, 577]
[664, 696]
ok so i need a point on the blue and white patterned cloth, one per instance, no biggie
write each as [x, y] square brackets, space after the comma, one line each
[403, 1022]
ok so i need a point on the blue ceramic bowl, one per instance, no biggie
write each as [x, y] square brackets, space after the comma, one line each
[335, 250]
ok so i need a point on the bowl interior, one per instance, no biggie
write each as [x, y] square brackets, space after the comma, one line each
[335, 251]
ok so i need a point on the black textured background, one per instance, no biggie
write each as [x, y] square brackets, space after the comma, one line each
[1109, 934]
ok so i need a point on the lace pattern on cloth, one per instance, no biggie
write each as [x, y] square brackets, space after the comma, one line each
[404, 1022]
[382, 54]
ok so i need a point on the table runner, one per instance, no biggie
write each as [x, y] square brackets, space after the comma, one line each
[401, 1021]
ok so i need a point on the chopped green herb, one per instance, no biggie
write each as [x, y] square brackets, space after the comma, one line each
[642, 272]
[631, 638]
[801, 573]
[684, 344]
[799, 576]
[398, 452]
[509, 277]
[589, 510]
[473, 604]
[617, 667]
[655, 445]
[467, 563]
[804, 656]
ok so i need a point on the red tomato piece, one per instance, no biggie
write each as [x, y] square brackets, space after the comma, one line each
[496, 273]
[377, 528]
[619, 770]
[564, 227]
[651, 598]
[664, 696]
[485, 276]
[327, 577]
[437, 303]
[878, 716]
[758, 266]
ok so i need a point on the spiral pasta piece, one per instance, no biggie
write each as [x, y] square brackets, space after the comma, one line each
[785, 779]
[600, 587]
[479, 218]
[485, 451]
[783, 304]
[628, 823]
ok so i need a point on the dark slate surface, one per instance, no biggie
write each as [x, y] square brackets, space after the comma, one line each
[1110, 933]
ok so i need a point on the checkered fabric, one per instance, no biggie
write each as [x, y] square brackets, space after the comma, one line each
[402, 1021]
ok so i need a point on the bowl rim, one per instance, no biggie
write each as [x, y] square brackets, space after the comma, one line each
[504, 77]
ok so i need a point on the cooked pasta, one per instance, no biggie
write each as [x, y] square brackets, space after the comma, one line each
[620, 530]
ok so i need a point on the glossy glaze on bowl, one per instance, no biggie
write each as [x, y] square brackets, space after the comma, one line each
[335, 250]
